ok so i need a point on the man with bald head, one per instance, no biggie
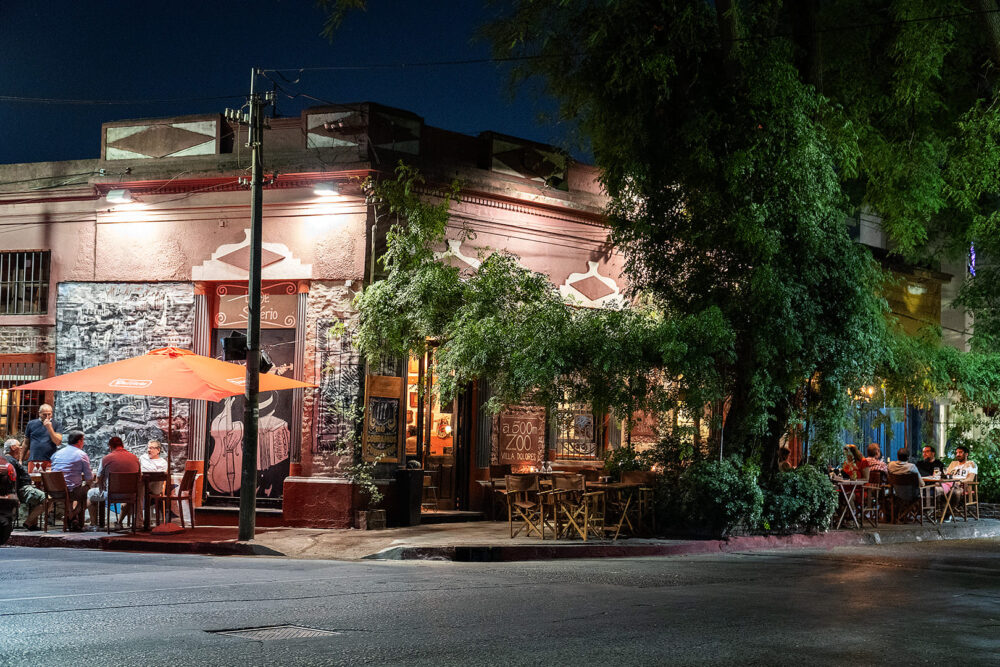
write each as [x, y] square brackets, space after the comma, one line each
[42, 436]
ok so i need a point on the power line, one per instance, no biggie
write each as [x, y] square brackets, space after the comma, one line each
[52, 100]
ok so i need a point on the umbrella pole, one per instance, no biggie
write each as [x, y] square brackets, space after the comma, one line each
[170, 432]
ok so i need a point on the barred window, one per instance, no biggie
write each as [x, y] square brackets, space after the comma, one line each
[576, 435]
[24, 282]
[17, 408]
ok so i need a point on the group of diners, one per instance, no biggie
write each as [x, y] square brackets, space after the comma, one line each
[50, 450]
[928, 470]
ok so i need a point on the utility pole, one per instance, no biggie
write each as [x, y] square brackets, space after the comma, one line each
[251, 411]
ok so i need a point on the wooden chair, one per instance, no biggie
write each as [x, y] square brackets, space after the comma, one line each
[54, 485]
[524, 505]
[185, 492]
[497, 485]
[646, 479]
[429, 495]
[907, 503]
[873, 499]
[583, 510]
[969, 497]
[122, 488]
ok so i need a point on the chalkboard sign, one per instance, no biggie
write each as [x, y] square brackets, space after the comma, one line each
[521, 436]
[382, 431]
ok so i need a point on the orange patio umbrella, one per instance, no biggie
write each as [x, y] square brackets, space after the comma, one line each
[169, 372]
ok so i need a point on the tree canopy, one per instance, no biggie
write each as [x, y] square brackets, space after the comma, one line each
[734, 141]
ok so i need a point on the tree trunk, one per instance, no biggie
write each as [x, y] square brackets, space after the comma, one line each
[991, 21]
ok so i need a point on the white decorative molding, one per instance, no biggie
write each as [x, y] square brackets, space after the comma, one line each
[288, 268]
[455, 250]
[573, 295]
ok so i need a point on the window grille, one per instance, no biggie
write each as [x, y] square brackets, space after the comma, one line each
[576, 435]
[24, 282]
[17, 408]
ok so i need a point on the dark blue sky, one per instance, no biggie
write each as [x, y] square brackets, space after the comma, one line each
[115, 50]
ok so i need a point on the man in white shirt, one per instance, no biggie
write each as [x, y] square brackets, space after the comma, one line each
[962, 466]
[151, 461]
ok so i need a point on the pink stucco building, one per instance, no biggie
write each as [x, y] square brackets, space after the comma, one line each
[86, 279]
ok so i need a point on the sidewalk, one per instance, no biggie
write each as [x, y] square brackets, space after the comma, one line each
[480, 541]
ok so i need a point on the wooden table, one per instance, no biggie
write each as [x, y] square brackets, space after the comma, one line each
[625, 494]
[940, 481]
[149, 478]
[847, 488]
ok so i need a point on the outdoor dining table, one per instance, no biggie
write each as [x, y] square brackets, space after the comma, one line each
[625, 494]
[941, 481]
[148, 479]
[847, 488]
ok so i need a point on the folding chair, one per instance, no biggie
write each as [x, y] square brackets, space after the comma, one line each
[583, 510]
[647, 488]
[907, 502]
[970, 496]
[524, 505]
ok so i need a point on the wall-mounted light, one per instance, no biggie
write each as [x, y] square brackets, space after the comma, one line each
[916, 289]
[121, 196]
[326, 189]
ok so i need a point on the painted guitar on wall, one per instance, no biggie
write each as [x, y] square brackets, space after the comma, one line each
[226, 464]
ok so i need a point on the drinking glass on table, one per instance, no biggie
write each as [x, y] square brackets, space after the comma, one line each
[937, 473]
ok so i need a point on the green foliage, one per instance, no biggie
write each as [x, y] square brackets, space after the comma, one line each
[511, 325]
[626, 459]
[799, 500]
[720, 496]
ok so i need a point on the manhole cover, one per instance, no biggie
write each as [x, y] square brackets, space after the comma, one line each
[275, 632]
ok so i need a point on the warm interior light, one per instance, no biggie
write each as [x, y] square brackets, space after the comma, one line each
[326, 189]
[121, 196]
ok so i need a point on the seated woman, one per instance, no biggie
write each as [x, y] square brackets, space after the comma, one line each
[856, 466]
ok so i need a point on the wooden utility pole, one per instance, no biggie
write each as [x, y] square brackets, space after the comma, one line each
[251, 411]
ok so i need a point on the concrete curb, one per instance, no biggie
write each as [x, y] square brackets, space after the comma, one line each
[144, 544]
[627, 549]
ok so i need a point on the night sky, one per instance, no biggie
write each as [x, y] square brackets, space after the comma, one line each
[112, 50]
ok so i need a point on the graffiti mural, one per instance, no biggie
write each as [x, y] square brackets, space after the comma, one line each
[97, 323]
[339, 384]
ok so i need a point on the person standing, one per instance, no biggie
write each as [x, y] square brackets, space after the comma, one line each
[42, 436]
[74, 464]
[28, 494]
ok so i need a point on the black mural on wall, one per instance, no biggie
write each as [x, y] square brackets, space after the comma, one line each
[98, 323]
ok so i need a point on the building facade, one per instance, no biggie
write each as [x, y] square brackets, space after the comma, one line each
[147, 246]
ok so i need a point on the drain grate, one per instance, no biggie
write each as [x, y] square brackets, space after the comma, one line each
[270, 632]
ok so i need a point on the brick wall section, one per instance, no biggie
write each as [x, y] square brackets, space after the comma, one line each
[332, 363]
[27, 340]
[97, 323]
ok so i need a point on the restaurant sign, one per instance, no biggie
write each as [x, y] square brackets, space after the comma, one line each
[277, 311]
[381, 436]
[521, 431]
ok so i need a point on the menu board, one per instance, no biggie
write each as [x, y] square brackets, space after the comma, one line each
[382, 432]
[521, 435]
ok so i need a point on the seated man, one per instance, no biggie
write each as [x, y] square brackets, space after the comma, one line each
[960, 468]
[74, 464]
[118, 459]
[929, 462]
[902, 465]
[874, 458]
[32, 498]
[8, 499]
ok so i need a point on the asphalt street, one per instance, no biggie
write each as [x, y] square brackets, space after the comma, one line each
[918, 604]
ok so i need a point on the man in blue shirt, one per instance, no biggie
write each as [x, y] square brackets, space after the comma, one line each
[74, 464]
[42, 436]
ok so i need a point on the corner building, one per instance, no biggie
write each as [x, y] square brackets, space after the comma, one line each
[88, 277]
